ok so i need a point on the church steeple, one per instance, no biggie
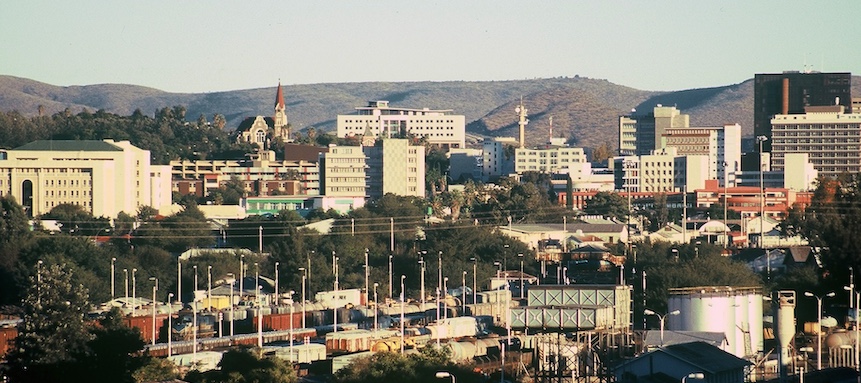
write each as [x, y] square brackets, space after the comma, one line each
[280, 119]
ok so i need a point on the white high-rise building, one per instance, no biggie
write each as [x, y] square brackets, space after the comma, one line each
[437, 127]
[722, 145]
[830, 137]
[553, 159]
[662, 171]
[396, 167]
[104, 177]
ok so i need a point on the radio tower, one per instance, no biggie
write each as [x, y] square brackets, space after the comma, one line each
[521, 113]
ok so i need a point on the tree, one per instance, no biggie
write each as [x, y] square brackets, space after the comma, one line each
[114, 352]
[246, 365]
[52, 337]
[608, 205]
[385, 367]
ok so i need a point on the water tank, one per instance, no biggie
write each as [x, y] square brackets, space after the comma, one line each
[734, 311]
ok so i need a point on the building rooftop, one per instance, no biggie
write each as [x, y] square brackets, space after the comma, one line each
[71, 146]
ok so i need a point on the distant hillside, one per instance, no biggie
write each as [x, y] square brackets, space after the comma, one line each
[584, 110]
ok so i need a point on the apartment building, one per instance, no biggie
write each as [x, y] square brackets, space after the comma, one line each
[396, 167]
[342, 172]
[550, 159]
[261, 172]
[791, 92]
[722, 146]
[831, 138]
[640, 134]
[662, 171]
[435, 126]
[104, 177]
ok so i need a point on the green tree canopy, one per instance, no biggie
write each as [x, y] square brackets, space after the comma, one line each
[607, 204]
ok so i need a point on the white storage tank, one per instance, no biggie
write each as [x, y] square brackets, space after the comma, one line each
[734, 311]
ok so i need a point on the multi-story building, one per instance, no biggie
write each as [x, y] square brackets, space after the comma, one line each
[550, 159]
[396, 167]
[496, 160]
[640, 134]
[831, 138]
[662, 171]
[437, 127]
[465, 163]
[104, 177]
[791, 92]
[262, 174]
[722, 146]
[342, 172]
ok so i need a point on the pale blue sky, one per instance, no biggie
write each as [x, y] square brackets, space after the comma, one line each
[205, 46]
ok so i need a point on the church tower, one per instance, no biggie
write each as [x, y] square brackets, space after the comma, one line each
[280, 128]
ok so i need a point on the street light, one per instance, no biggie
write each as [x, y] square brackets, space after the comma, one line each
[693, 375]
[113, 282]
[277, 297]
[209, 285]
[154, 289]
[304, 277]
[376, 307]
[257, 282]
[819, 321]
[463, 294]
[422, 263]
[231, 279]
[169, 322]
[725, 203]
[445, 374]
[260, 317]
[445, 297]
[134, 291]
[126, 274]
[367, 271]
[661, 319]
[760, 140]
[335, 309]
[403, 298]
[241, 277]
[474, 279]
[391, 288]
[520, 255]
[194, 317]
[857, 330]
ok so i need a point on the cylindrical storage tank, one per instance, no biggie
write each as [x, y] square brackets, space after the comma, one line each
[755, 323]
[741, 305]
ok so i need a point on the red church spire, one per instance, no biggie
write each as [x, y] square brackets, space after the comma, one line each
[279, 97]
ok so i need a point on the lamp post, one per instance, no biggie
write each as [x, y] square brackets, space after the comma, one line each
[154, 289]
[178, 280]
[376, 307]
[292, 307]
[169, 322]
[209, 285]
[113, 282]
[277, 296]
[463, 294]
[256, 282]
[304, 277]
[760, 140]
[241, 277]
[857, 299]
[725, 203]
[444, 375]
[474, 279]
[693, 375]
[520, 255]
[403, 298]
[444, 297]
[126, 283]
[231, 279]
[391, 288]
[819, 322]
[661, 319]
[422, 263]
[134, 291]
[313, 252]
[260, 317]
[194, 317]
[335, 310]
[367, 272]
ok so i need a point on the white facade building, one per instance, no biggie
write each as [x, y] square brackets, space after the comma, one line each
[722, 146]
[550, 160]
[495, 161]
[342, 172]
[831, 138]
[437, 127]
[662, 171]
[396, 167]
[104, 177]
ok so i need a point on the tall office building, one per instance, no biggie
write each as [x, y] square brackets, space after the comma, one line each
[790, 92]
[641, 134]
[720, 144]
[437, 127]
[103, 177]
[831, 138]
[396, 167]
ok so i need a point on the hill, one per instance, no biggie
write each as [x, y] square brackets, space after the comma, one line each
[584, 110]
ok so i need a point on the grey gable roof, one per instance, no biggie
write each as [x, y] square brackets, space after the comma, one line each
[70, 146]
[706, 356]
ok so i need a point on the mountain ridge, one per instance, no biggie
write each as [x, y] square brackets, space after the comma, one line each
[585, 111]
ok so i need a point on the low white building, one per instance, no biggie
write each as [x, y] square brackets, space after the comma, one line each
[435, 126]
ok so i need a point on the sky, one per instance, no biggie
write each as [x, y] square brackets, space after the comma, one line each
[220, 45]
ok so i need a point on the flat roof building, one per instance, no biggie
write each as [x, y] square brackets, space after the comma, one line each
[437, 127]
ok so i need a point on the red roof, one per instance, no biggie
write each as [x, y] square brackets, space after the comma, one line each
[279, 97]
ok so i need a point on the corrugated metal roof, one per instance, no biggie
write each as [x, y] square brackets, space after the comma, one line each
[71, 146]
[709, 358]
